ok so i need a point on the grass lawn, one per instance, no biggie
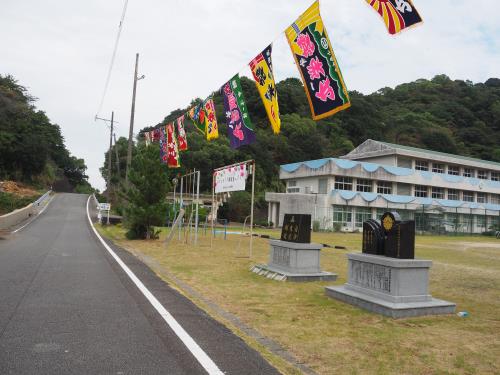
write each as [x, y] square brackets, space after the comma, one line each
[332, 337]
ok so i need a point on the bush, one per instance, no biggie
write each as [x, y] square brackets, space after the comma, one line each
[10, 202]
[316, 226]
[337, 227]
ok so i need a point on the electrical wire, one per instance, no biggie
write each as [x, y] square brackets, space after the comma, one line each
[115, 48]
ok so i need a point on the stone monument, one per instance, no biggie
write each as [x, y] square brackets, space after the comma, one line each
[385, 278]
[294, 257]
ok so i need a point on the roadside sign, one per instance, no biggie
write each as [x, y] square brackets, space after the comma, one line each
[104, 206]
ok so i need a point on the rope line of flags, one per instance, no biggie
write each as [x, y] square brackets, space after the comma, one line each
[320, 73]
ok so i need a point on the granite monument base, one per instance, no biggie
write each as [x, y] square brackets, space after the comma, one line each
[290, 261]
[398, 288]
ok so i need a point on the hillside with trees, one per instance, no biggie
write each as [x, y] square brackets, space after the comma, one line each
[440, 114]
[32, 149]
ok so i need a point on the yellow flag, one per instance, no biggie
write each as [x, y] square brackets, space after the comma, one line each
[318, 67]
[211, 128]
[262, 70]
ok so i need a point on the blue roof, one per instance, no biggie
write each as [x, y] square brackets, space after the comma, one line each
[396, 171]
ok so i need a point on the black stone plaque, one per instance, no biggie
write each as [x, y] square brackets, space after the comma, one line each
[399, 236]
[400, 241]
[391, 237]
[373, 237]
[296, 228]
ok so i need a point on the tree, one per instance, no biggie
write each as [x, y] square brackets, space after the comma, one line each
[146, 195]
[32, 149]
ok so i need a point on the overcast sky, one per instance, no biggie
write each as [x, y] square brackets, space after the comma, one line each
[61, 49]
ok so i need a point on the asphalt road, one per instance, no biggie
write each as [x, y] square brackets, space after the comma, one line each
[67, 307]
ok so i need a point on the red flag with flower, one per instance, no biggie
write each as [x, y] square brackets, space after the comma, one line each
[172, 150]
[181, 134]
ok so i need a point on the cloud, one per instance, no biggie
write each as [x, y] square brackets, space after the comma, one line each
[189, 48]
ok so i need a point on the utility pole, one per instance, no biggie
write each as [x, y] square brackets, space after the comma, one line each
[110, 147]
[132, 114]
[109, 155]
[117, 157]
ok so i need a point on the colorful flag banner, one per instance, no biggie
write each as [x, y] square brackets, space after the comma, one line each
[163, 144]
[147, 138]
[181, 134]
[156, 135]
[262, 70]
[239, 126]
[210, 120]
[197, 116]
[172, 150]
[397, 14]
[313, 53]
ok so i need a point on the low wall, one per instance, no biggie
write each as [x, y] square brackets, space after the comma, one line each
[17, 216]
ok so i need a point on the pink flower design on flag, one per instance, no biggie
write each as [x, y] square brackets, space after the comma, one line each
[231, 99]
[306, 45]
[227, 89]
[235, 116]
[315, 68]
[211, 117]
[325, 90]
[238, 133]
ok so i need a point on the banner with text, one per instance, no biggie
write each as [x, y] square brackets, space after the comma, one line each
[230, 179]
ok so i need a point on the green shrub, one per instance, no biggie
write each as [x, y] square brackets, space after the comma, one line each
[316, 226]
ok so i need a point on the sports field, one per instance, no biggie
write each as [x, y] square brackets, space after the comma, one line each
[329, 336]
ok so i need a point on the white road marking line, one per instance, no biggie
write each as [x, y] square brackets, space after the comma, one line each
[193, 347]
[29, 222]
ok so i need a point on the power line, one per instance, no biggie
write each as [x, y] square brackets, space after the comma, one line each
[108, 78]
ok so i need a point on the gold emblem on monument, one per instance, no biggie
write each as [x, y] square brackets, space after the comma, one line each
[388, 223]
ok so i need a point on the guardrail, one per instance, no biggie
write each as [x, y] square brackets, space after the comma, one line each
[42, 201]
[17, 216]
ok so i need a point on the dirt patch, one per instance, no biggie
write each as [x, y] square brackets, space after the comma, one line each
[17, 188]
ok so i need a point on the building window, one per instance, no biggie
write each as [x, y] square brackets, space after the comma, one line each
[495, 198]
[495, 176]
[362, 214]
[437, 168]
[468, 196]
[343, 183]
[292, 187]
[364, 185]
[384, 187]
[322, 186]
[453, 195]
[421, 165]
[421, 191]
[483, 175]
[468, 172]
[342, 215]
[480, 221]
[454, 170]
[482, 198]
[437, 193]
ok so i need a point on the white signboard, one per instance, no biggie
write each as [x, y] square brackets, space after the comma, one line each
[104, 206]
[231, 179]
